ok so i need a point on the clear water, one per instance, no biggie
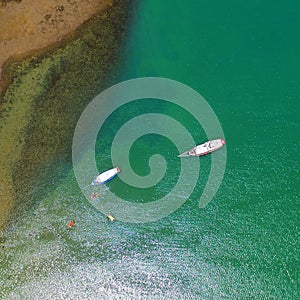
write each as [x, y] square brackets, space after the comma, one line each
[243, 58]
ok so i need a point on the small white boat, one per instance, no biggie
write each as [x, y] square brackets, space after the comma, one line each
[106, 176]
[203, 149]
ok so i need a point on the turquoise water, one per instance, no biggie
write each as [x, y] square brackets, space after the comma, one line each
[243, 59]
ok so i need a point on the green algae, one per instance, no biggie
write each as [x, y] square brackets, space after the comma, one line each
[40, 108]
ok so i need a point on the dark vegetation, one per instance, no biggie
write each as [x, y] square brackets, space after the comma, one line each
[4, 2]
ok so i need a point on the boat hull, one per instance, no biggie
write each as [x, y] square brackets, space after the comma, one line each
[204, 149]
[106, 176]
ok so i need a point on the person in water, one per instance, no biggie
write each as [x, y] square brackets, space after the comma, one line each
[71, 224]
[94, 196]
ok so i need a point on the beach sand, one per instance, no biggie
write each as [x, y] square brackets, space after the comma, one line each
[59, 54]
[34, 24]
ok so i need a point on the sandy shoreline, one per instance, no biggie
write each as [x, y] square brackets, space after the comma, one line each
[33, 24]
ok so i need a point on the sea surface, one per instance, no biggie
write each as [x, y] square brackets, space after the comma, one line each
[243, 58]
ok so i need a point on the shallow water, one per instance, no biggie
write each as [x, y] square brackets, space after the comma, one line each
[243, 58]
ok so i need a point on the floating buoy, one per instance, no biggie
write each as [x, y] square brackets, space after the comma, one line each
[94, 196]
[110, 218]
[71, 224]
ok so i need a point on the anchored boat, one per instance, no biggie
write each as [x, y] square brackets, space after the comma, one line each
[203, 149]
[106, 176]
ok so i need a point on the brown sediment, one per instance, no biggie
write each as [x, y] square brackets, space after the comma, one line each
[47, 92]
[28, 25]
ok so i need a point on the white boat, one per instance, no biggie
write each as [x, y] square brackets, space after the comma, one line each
[203, 149]
[106, 176]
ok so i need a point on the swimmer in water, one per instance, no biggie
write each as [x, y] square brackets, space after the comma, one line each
[71, 224]
[94, 196]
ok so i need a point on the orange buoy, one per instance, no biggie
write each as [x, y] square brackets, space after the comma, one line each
[71, 224]
[110, 218]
